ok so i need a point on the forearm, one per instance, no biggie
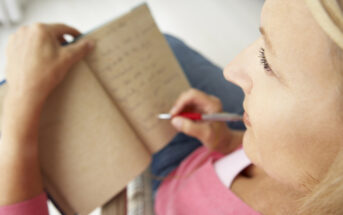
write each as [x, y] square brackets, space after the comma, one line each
[19, 162]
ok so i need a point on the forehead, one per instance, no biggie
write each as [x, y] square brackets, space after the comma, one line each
[299, 43]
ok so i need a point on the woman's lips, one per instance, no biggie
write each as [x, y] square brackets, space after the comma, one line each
[246, 119]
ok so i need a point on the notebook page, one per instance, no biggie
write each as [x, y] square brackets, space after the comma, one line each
[87, 150]
[135, 64]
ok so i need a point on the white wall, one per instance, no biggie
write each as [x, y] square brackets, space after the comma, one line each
[217, 28]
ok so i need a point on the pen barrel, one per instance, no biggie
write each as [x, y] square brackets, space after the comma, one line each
[192, 116]
[222, 117]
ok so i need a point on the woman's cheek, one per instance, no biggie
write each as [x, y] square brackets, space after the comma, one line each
[271, 125]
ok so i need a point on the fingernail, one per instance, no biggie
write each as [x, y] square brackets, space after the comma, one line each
[172, 111]
[177, 122]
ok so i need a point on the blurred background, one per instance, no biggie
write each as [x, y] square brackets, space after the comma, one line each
[219, 29]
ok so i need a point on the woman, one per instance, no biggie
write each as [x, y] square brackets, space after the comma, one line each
[292, 81]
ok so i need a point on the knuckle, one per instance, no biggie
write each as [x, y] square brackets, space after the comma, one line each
[21, 31]
[182, 96]
[216, 101]
[38, 26]
[193, 91]
[38, 29]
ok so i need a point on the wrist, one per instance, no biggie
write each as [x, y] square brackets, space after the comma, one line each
[20, 121]
[19, 103]
[25, 101]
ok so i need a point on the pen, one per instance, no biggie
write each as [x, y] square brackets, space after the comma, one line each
[223, 117]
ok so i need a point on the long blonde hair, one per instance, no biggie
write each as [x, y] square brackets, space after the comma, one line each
[327, 196]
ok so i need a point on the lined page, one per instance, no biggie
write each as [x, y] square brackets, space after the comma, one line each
[136, 66]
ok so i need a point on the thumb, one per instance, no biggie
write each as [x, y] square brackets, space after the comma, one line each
[190, 127]
[76, 51]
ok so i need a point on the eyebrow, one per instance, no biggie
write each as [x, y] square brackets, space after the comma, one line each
[267, 40]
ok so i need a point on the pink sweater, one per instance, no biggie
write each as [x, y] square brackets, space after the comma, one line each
[35, 206]
[194, 188]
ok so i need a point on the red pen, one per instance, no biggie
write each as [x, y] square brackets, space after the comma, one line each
[223, 117]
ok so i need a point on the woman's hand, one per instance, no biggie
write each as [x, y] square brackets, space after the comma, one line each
[36, 64]
[36, 61]
[214, 135]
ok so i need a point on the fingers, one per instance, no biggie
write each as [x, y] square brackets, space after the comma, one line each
[59, 30]
[197, 100]
[73, 53]
[195, 129]
[189, 98]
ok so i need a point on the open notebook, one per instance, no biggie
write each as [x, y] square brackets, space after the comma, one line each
[99, 127]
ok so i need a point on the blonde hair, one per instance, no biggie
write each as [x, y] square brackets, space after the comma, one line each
[327, 196]
[329, 15]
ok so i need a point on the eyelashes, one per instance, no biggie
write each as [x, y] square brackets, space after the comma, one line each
[264, 61]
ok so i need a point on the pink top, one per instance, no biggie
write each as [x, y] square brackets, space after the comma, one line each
[195, 188]
[34, 206]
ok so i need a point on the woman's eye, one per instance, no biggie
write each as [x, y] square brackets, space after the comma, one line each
[264, 62]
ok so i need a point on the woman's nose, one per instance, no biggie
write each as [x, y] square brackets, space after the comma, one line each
[239, 70]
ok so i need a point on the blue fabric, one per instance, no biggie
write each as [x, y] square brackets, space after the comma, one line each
[205, 76]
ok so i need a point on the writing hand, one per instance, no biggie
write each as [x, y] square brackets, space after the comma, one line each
[214, 135]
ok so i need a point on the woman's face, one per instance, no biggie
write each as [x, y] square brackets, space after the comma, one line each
[292, 95]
